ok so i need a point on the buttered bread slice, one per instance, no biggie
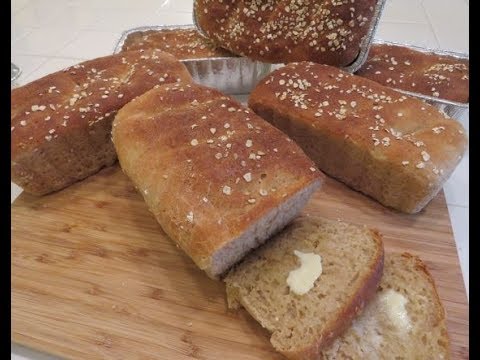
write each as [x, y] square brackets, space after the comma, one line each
[405, 320]
[308, 283]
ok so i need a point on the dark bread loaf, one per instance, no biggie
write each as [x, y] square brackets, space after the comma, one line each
[61, 123]
[328, 32]
[183, 43]
[394, 148]
[440, 76]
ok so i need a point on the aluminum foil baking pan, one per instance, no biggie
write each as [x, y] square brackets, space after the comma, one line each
[231, 75]
[452, 108]
[364, 43]
[15, 72]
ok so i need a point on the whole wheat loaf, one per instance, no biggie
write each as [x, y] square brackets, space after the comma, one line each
[61, 123]
[394, 148]
[219, 179]
[327, 32]
[183, 43]
[400, 67]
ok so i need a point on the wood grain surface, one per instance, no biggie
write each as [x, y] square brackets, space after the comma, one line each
[95, 277]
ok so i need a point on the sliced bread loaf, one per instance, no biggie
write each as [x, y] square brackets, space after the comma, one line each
[405, 320]
[219, 179]
[302, 325]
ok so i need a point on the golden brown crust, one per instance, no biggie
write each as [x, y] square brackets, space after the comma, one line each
[444, 77]
[420, 266]
[60, 124]
[391, 147]
[207, 167]
[181, 43]
[352, 309]
[327, 32]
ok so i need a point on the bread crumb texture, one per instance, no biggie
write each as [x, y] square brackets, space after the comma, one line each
[352, 261]
[373, 335]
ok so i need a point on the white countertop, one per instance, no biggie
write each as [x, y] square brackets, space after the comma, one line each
[48, 35]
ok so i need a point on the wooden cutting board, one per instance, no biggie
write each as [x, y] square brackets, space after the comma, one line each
[95, 277]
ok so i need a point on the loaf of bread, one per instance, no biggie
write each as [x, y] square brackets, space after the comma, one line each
[351, 261]
[405, 320]
[400, 67]
[394, 148]
[219, 179]
[61, 123]
[183, 43]
[328, 32]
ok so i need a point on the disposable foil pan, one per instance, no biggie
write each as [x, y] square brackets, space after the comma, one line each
[364, 43]
[231, 75]
[453, 109]
[15, 73]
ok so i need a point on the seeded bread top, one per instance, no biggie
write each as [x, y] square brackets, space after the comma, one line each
[392, 126]
[327, 32]
[207, 166]
[440, 76]
[83, 94]
[181, 43]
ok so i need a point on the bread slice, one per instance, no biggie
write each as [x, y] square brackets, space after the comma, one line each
[302, 325]
[374, 336]
[219, 179]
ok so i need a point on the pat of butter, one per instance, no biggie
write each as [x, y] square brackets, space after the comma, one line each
[301, 280]
[393, 305]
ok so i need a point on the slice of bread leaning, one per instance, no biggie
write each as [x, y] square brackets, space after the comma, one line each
[405, 320]
[303, 325]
